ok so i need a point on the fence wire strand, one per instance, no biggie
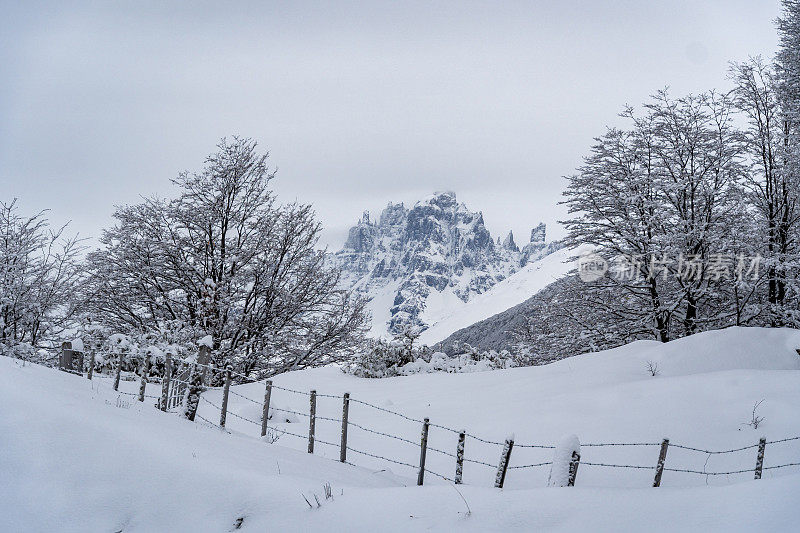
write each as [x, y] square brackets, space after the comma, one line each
[376, 432]
[281, 431]
[533, 465]
[618, 466]
[712, 452]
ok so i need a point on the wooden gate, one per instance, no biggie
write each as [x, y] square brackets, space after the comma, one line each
[181, 373]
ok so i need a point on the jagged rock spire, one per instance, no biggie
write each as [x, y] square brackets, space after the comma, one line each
[509, 243]
[538, 233]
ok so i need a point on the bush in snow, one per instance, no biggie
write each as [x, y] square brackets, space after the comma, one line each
[380, 359]
[466, 362]
[20, 350]
[385, 359]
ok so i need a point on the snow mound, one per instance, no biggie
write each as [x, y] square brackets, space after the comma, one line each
[734, 348]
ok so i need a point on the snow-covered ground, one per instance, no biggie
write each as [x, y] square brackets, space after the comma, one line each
[75, 456]
[448, 315]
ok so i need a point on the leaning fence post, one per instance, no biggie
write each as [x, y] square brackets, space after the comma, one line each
[460, 457]
[265, 410]
[345, 412]
[573, 468]
[760, 459]
[312, 419]
[662, 456]
[500, 478]
[193, 396]
[224, 411]
[165, 381]
[143, 383]
[423, 451]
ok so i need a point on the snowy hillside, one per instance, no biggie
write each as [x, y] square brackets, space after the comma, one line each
[418, 265]
[506, 294]
[76, 456]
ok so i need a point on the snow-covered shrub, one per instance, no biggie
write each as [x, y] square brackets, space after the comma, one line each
[462, 363]
[385, 359]
[19, 350]
[380, 359]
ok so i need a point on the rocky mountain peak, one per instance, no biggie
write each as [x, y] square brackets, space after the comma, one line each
[437, 248]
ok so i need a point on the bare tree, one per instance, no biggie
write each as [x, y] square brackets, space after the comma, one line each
[39, 278]
[226, 259]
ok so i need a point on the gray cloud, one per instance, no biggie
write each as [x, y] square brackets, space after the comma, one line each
[358, 104]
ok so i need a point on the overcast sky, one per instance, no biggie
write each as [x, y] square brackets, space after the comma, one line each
[358, 104]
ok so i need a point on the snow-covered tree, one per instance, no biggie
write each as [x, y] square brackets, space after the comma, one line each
[697, 172]
[616, 207]
[655, 198]
[39, 278]
[788, 66]
[225, 259]
[772, 184]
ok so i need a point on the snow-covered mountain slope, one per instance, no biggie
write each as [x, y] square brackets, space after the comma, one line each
[417, 265]
[512, 291]
[76, 457]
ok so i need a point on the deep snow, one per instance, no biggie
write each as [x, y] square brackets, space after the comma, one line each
[75, 456]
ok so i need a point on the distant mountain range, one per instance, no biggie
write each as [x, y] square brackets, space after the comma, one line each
[436, 267]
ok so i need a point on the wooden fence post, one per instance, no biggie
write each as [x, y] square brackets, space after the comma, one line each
[312, 420]
[144, 371]
[90, 370]
[195, 388]
[423, 450]
[760, 458]
[265, 410]
[460, 457]
[204, 360]
[345, 413]
[65, 359]
[224, 411]
[118, 371]
[77, 362]
[662, 456]
[573, 468]
[165, 381]
[500, 478]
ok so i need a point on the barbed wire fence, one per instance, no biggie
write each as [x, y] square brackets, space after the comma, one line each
[177, 393]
